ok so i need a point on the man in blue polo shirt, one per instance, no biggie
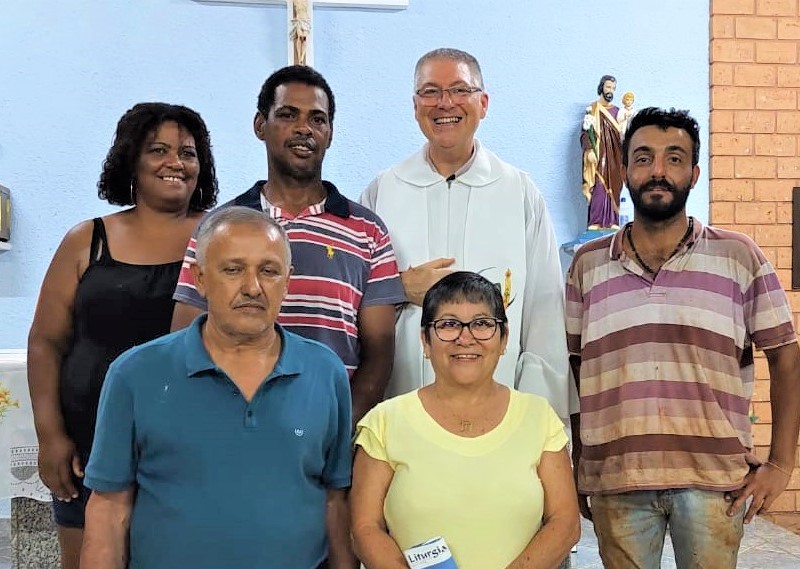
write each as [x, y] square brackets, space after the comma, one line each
[226, 444]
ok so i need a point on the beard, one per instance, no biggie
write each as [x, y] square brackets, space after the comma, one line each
[608, 97]
[660, 209]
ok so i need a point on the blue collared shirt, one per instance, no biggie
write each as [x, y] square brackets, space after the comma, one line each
[220, 481]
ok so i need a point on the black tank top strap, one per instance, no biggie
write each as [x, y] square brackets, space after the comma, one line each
[99, 243]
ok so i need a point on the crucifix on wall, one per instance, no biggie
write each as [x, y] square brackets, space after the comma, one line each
[300, 20]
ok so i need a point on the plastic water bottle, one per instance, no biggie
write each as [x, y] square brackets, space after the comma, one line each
[625, 208]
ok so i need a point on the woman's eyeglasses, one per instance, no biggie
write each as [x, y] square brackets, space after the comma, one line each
[449, 329]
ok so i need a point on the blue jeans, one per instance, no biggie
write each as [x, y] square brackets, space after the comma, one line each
[631, 527]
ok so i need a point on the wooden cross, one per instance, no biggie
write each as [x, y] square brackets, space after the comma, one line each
[300, 20]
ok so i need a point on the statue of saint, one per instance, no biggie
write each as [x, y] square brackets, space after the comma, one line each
[602, 157]
[626, 113]
[300, 30]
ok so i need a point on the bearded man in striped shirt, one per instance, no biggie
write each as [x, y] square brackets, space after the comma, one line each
[662, 320]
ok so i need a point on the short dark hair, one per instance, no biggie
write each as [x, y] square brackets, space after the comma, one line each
[663, 119]
[603, 80]
[293, 74]
[463, 286]
[119, 167]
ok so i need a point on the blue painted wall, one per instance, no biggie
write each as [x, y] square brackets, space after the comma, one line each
[69, 69]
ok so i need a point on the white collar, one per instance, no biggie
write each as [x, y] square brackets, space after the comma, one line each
[417, 170]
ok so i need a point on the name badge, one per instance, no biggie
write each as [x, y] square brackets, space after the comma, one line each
[433, 554]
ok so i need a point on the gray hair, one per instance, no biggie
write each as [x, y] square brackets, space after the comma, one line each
[236, 215]
[453, 55]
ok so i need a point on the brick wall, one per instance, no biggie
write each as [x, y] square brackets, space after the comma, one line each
[755, 151]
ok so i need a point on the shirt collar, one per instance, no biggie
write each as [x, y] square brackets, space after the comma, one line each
[696, 232]
[335, 202]
[197, 358]
[198, 361]
[616, 243]
[276, 212]
[478, 171]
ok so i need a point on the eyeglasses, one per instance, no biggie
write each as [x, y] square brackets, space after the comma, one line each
[432, 95]
[449, 329]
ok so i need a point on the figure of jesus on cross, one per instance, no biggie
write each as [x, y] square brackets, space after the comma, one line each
[300, 29]
[300, 19]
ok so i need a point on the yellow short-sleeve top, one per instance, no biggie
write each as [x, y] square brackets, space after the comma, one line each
[481, 494]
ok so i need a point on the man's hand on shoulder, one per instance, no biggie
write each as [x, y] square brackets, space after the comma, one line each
[417, 280]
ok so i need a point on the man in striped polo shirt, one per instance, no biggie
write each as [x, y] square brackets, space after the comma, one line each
[345, 283]
[662, 320]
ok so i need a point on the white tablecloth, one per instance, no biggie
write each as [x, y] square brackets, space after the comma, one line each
[19, 475]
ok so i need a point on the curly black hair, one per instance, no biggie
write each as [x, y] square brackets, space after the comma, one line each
[293, 74]
[119, 167]
[663, 119]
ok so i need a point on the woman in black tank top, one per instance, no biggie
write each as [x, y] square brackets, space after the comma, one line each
[109, 287]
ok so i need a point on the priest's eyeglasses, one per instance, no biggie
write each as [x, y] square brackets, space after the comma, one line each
[449, 329]
[432, 95]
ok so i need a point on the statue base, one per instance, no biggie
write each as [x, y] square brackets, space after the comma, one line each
[570, 247]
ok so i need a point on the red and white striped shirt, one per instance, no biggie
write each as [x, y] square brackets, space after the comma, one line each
[343, 260]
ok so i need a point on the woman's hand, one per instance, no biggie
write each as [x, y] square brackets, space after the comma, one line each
[58, 462]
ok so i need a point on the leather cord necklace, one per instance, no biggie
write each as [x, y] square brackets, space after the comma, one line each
[677, 248]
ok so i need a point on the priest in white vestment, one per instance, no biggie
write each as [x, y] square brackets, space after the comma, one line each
[454, 205]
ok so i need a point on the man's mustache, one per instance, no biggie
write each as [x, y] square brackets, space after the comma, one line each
[661, 184]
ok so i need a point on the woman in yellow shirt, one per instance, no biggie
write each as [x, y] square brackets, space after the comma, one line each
[465, 459]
